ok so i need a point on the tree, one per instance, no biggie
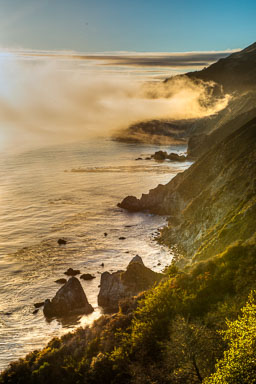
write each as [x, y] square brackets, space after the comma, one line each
[238, 365]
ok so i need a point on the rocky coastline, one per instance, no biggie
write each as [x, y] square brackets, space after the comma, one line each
[170, 332]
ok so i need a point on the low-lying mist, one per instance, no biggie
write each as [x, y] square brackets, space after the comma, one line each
[43, 102]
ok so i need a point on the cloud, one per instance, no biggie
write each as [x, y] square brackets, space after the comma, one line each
[144, 59]
[41, 103]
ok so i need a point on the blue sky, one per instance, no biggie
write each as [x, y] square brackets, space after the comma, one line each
[134, 25]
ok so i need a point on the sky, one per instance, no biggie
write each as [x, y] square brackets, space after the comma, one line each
[134, 25]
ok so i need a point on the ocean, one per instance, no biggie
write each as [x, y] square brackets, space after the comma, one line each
[70, 191]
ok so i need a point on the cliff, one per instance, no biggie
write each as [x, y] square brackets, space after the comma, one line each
[237, 72]
[212, 204]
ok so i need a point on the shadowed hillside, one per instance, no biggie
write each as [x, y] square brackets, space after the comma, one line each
[212, 204]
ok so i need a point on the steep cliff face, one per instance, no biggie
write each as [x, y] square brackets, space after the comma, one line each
[212, 204]
[205, 133]
[235, 72]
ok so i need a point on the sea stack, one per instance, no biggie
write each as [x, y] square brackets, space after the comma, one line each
[69, 300]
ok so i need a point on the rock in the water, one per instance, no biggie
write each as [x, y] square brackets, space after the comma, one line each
[122, 238]
[176, 157]
[61, 281]
[87, 276]
[69, 300]
[38, 305]
[105, 234]
[160, 155]
[131, 203]
[136, 259]
[72, 272]
[62, 242]
[35, 311]
[122, 284]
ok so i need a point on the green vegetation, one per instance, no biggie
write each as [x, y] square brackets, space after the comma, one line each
[238, 364]
[170, 334]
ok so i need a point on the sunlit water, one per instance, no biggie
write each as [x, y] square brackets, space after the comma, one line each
[44, 197]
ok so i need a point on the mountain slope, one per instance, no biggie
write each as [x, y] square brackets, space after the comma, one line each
[235, 73]
[212, 204]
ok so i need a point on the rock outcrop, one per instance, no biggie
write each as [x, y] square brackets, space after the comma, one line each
[163, 155]
[72, 272]
[69, 300]
[122, 284]
[87, 276]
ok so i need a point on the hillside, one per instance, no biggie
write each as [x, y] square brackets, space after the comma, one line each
[212, 204]
[207, 132]
[237, 72]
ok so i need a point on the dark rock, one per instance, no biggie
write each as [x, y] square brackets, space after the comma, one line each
[160, 156]
[102, 265]
[136, 259]
[69, 300]
[122, 238]
[35, 311]
[38, 305]
[72, 272]
[139, 158]
[148, 158]
[87, 276]
[131, 203]
[122, 284]
[159, 263]
[105, 234]
[62, 242]
[61, 281]
[176, 157]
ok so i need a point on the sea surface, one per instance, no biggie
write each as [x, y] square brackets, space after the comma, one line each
[70, 191]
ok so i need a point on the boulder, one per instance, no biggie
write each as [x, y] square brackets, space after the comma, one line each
[61, 281]
[87, 276]
[131, 203]
[69, 300]
[123, 284]
[160, 155]
[38, 305]
[176, 157]
[62, 242]
[72, 272]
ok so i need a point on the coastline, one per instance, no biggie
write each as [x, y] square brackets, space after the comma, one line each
[80, 251]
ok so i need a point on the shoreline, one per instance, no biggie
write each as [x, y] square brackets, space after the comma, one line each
[27, 254]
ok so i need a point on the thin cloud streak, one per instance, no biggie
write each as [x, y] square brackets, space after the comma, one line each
[133, 59]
